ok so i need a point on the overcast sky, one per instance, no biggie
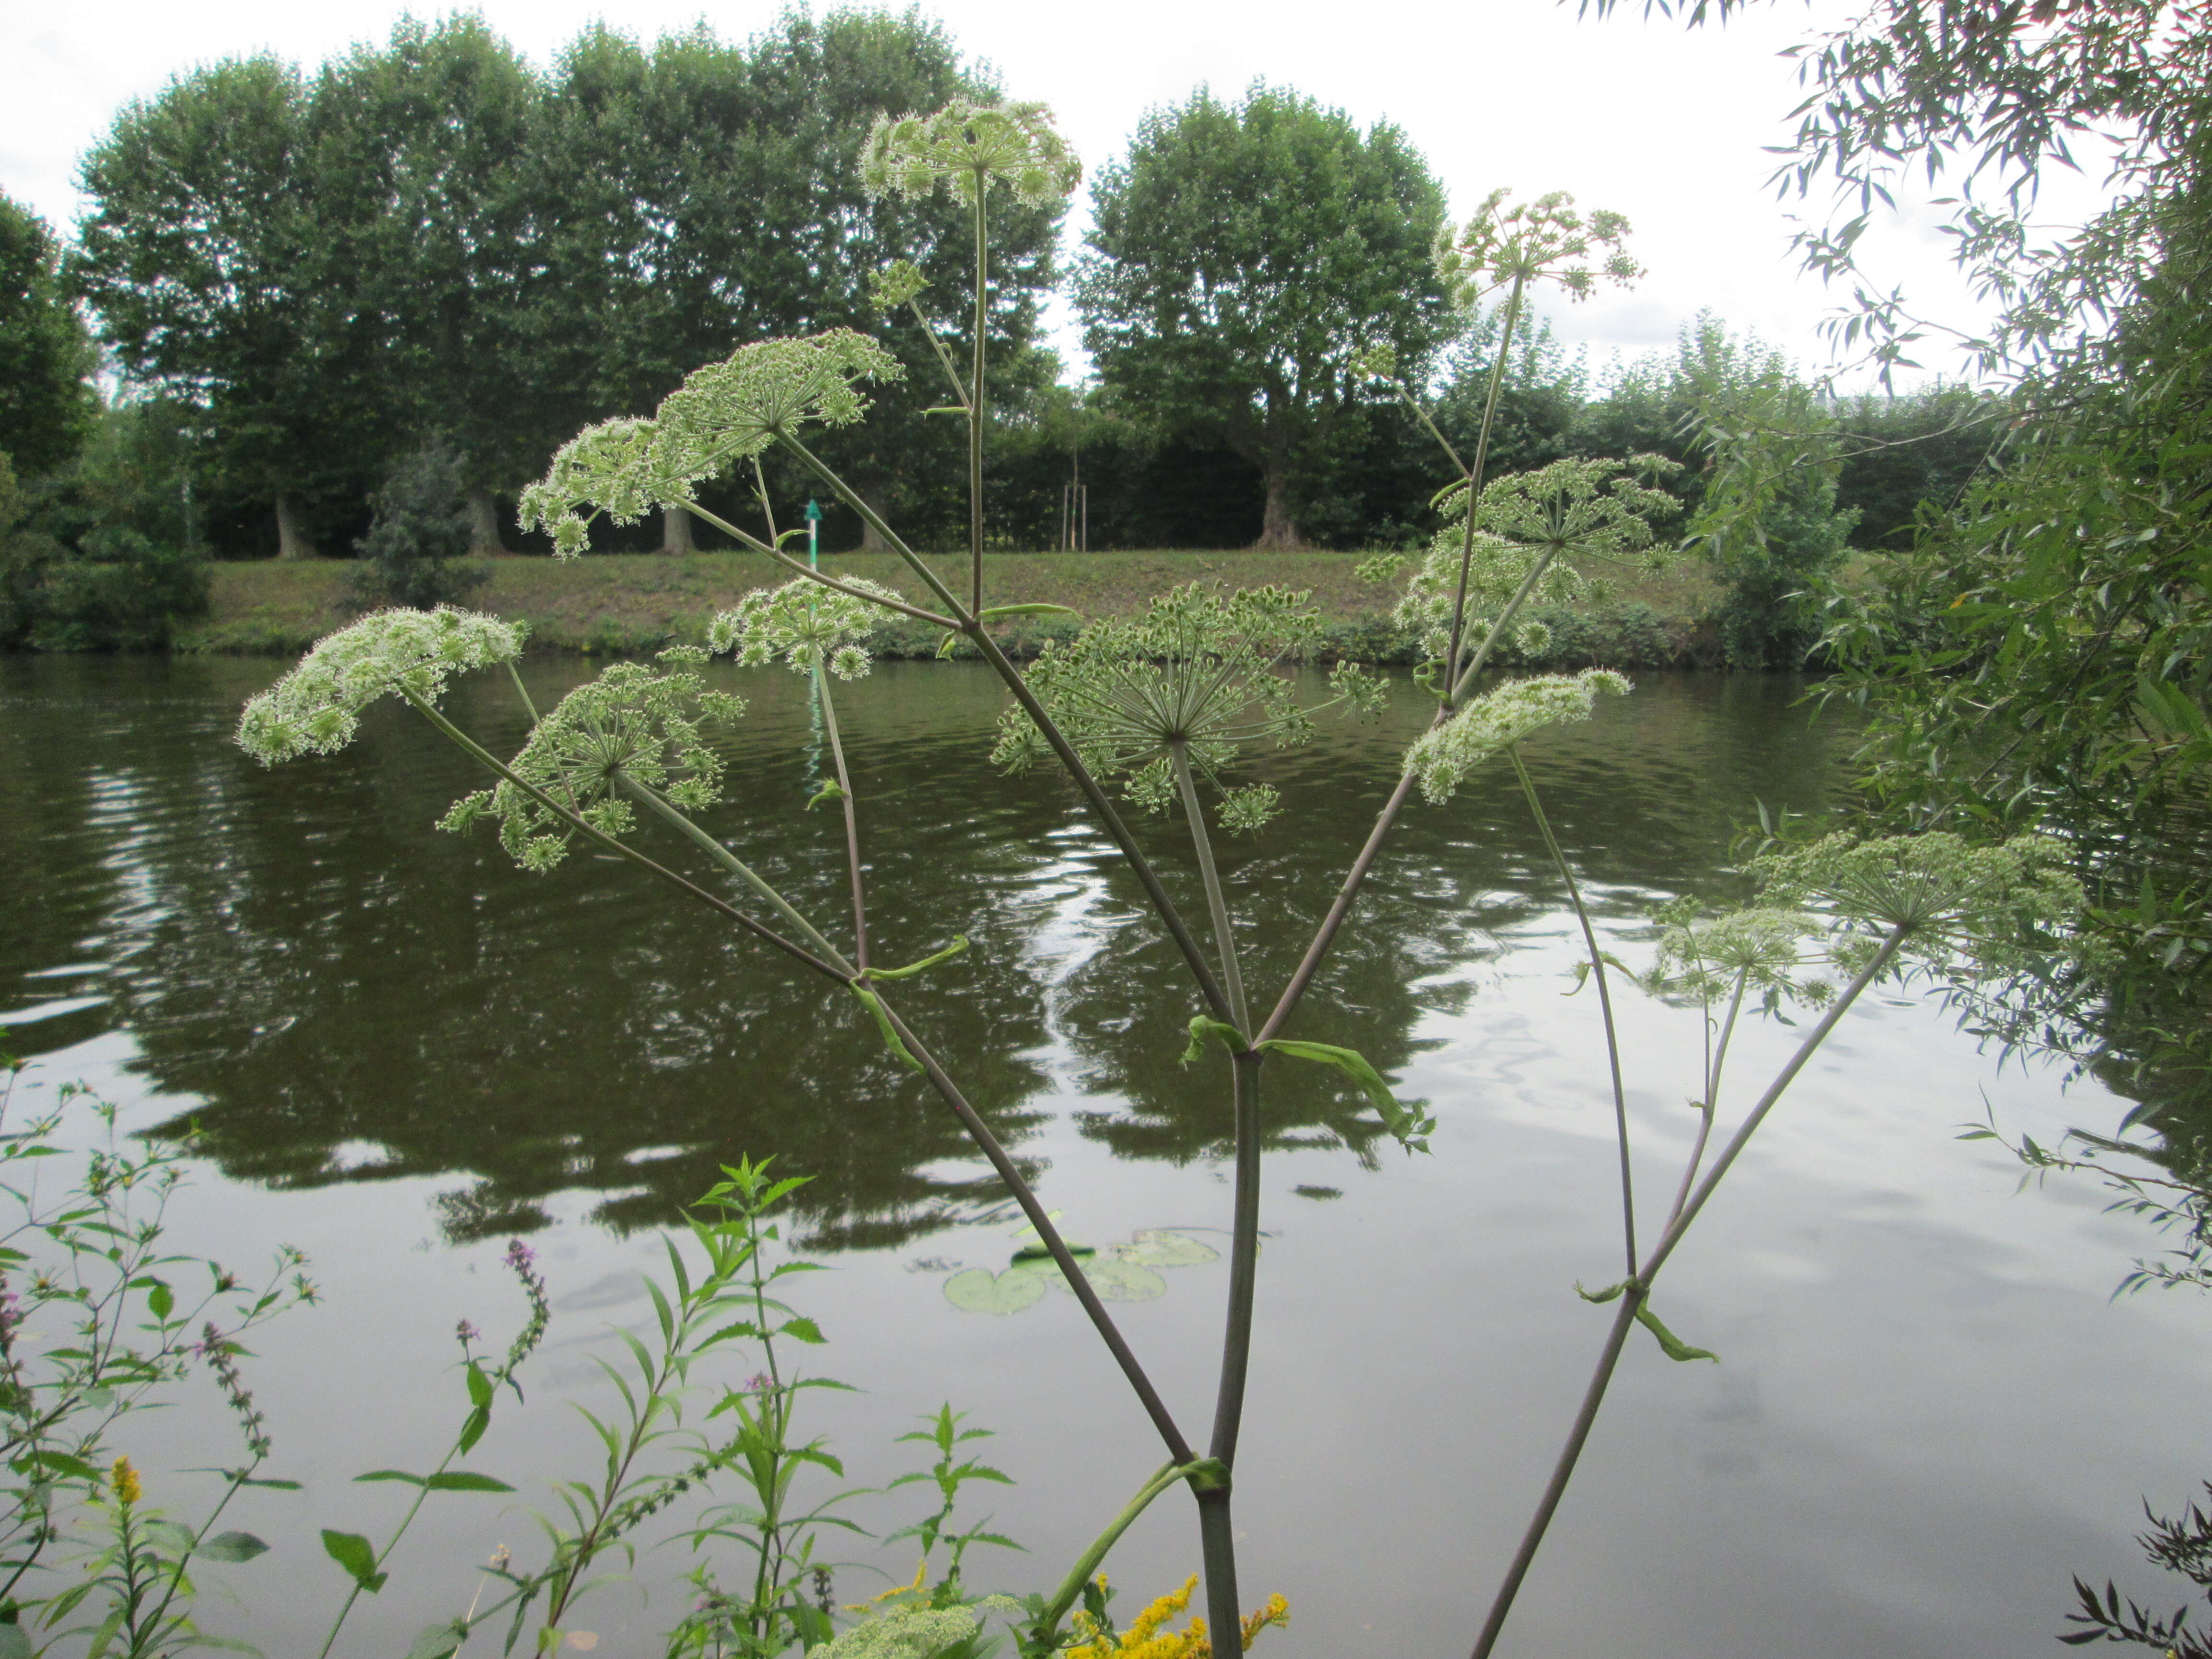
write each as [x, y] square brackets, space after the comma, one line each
[1666, 125]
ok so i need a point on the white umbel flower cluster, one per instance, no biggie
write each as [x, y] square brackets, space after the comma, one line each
[1490, 723]
[316, 709]
[971, 146]
[1528, 242]
[807, 625]
[723, 412]
[1763, 946]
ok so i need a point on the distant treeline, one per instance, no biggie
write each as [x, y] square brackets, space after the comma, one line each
[311, 282]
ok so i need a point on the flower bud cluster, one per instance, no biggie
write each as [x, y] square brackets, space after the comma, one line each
[1443, 757]
[807, 625]
[628, 724]
[316, 709]
[1764, 946]
[971, 146]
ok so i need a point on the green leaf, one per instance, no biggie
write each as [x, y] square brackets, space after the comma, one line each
[1156, 1246]
[829, 790]
[980, 1291]
[1202, 1028]
[1673, 1346]
[356, 1554]
[958, 945]
[804, 1329]
[473, 1429]
[178, 1540]
[480, 1388]
[161, 1301]
[440, 1641]
[1603, 1296]
[274, 1485]
[390, 1474]
[15, 1642]
[1000, 612]
[874, 1005]
[61, 1463]
[463, 1480]
[1410, 1124]
[232, 1546]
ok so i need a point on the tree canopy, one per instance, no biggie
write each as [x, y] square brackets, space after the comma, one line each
[46, 359]
[1243, 255]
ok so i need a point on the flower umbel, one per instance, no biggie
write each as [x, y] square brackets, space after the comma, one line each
[1997, 903]
[1543, 240]
[1764, 945]
[1197, 670]
[1551, 521]
[316, 709]
[807, 625]
[972, 146]
[629, 723]
[1443, 757]
[721, 413]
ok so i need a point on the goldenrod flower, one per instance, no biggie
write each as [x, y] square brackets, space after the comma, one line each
[124, 1479]
[1146, 1639]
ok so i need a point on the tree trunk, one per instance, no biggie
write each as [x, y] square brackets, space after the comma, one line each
[676, 530]
[292, 538]
[871, 542]
[1279, 531]
[483, 522]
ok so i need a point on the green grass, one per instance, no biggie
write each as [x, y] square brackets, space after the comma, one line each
[630, 602]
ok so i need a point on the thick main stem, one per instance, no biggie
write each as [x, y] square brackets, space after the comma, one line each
[852, 823]
[976, 401]
[1217, 905]
[1604, 1001]
[1638, 1289]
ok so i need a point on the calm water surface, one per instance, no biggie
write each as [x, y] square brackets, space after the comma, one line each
[402, 1051]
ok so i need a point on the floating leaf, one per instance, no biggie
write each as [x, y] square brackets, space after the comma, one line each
[1112, 1278]
[981, 1291]
[1156, 1246]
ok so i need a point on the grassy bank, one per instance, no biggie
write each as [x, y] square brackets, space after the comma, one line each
[633, 602]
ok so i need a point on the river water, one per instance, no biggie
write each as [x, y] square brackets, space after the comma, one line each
[402, 1052]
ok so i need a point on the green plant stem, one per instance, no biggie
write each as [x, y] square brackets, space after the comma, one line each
[748, 539]
[421, 1494]
[520, 690]
[1604, 1000]
[1356, 877]
[1715, 1059]
[1070, 1587]
[1474, 479]
[975, 400]
[1638, 1289]
[1422, 415]
[681, 821]
[238, 1478]
[852, 821]
[1025, 1195]
[1209, 986]
[750, 923]
[1217, 903]
[929, 333]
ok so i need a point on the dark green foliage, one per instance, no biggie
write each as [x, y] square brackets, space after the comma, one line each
[1241, 256]
[1898, 453]
[421, 526]
[119, 592]
[46, 359]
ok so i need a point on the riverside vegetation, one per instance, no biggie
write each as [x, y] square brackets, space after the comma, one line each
[1150, 715]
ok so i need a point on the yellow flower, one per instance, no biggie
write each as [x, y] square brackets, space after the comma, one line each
[126, 1481]
[1146, 1638]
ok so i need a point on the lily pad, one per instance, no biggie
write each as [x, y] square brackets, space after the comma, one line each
[1156, 1246]
[1113, 1277]
[981, 1291]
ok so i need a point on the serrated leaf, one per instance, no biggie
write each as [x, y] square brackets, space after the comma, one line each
[804, 1329]
[357, 1556]
[232, 1546]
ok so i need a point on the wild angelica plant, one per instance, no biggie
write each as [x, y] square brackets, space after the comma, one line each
[1158, 703]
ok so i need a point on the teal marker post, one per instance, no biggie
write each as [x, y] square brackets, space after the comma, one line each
[813, 534]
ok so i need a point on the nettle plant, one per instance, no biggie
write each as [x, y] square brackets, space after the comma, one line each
[1156, 713]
